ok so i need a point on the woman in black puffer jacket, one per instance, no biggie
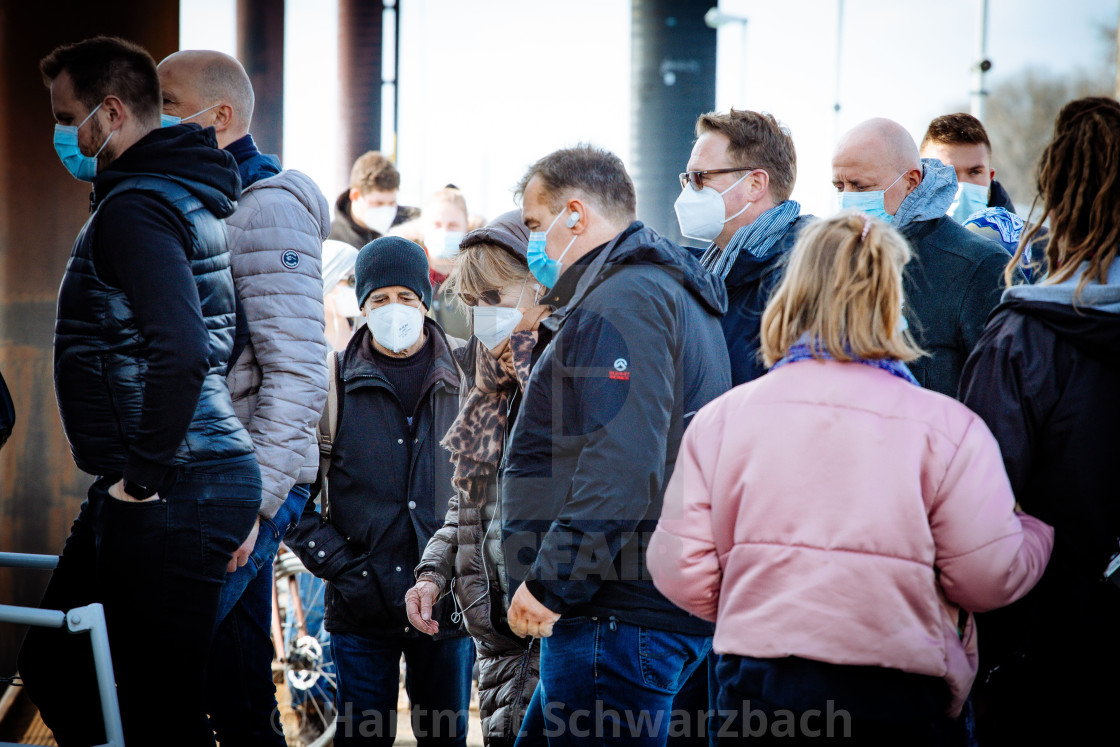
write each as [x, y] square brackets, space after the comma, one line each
[491, 279]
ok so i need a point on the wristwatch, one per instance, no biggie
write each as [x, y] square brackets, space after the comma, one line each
[138, 491]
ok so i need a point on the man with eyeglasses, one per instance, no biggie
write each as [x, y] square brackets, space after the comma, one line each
[735, 197]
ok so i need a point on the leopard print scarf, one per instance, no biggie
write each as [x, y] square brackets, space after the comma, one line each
[475, 438]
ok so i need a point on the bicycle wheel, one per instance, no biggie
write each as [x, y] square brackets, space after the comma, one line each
[303, 663]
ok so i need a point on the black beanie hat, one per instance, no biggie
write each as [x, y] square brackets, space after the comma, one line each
[391, 260]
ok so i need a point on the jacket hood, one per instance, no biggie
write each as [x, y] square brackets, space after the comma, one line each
[641, 245]
[933, 196]
[1091, 321]
[185, 154]
[999, 197]
[506, 231]
[305, 190]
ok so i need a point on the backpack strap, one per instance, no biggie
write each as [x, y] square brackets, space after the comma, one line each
[328, 430]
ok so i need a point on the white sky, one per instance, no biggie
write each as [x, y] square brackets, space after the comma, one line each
[488, 86]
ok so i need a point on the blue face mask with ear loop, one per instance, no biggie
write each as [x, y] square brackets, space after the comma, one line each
[170, 120]
[869, 202]
[66, 146]
[545, 268]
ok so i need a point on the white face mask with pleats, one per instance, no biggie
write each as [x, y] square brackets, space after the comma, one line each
[395, 326]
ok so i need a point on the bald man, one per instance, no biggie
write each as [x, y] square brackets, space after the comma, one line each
[277, 374]
[956, 277]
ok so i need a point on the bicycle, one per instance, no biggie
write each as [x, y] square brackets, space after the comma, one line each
[302, 665]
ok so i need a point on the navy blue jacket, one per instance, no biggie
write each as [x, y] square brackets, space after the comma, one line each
[146, 313]
[632, 352]
[749, 285]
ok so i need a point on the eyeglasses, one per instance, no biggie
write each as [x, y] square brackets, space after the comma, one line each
[351, 281]
[696, 178]
[491, 297]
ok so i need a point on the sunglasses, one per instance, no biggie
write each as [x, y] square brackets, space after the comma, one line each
[491, 297]
[696, 178]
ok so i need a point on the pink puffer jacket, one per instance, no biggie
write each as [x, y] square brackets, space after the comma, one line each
[835, 512]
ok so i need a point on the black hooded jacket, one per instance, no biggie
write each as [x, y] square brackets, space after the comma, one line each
[146, 312]
[633, 351]
[1045, 377]
[345, 228]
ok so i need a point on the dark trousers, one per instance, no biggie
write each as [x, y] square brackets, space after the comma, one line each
[241, 696]
[437, 679]
[158, 568]
[604, 681]
[798, 701]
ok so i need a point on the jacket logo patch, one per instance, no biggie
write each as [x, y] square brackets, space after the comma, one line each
[621, 364]
[290, 259]
[620, 375]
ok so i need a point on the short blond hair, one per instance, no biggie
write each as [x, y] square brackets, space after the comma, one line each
[842, 289]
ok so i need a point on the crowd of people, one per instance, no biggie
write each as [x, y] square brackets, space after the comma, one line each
[821, 477]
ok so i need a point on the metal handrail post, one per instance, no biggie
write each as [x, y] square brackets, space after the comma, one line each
[91, 619]
[22, 560]
[32, 616]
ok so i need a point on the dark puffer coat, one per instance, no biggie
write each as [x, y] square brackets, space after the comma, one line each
[467, 549]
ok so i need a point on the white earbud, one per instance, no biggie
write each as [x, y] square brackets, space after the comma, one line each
[572, 219]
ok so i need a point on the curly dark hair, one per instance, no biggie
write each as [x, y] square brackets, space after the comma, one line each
[1079, 185]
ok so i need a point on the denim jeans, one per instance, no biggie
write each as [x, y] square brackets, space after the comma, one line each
[158, 567]
[240, 693]
[604, 681]
[437, 678]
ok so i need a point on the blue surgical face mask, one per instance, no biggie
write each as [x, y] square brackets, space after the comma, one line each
[170, 120]
[971, 198]
[78, 164]
[545, 268]
[869, 202]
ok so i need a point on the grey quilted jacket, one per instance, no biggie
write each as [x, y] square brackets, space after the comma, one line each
[279, 383]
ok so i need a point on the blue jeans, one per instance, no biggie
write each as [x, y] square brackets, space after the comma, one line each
[240, 694]
[158, 567]
[437, 678]
[604, 681]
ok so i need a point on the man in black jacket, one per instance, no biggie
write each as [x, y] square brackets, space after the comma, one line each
[735, 196]
[633, 350]
[144, 331]
[387, 492]
[369, 208]
[955, 277]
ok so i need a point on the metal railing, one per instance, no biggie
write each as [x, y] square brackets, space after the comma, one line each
[89, 619]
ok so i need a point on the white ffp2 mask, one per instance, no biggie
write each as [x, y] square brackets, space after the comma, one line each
[396, 326]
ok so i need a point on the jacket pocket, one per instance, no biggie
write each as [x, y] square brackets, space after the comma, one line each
[372, 592]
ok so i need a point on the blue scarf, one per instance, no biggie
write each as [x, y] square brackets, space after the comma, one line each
[758, 238]
[800, 351]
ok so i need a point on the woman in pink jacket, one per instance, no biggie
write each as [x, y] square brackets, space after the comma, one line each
[838, 522]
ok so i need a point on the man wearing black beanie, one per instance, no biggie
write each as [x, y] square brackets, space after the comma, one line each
[389, 483]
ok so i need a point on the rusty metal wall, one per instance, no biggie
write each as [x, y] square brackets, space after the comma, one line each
[359, 76]
[41, 210]
[260, 47]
